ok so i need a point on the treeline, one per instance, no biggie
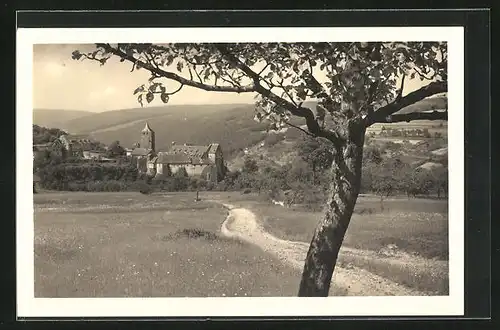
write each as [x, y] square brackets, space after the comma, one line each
[306, 180]
[303, 181]
[43, 135]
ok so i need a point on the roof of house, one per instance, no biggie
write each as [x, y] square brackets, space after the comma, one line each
[141, 152]
[187, 154]
[213, 147]
[191, 151]
[168, 158]
[77, 137]
[180, 158]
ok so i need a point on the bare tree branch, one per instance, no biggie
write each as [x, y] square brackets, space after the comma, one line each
[313, 83]
[264, 68]
[382, 113]
[423, 75]
[371, 95]
[400, 93]
[407, 117]
[299, 111]
[176, 77]
[300, 129]
[286, 92]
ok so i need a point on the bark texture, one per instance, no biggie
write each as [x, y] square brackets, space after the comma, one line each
[329, 234]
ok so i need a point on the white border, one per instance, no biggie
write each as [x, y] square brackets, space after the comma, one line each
[28, 306]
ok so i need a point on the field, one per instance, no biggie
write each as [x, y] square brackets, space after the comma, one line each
[128, 244]
[125, 244]
[418, 226]
[407, 241]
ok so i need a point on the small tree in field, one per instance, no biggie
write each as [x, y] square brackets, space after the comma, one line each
[250, 166]
[355, 85]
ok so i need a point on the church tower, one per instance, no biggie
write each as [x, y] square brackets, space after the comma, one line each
[147, 138]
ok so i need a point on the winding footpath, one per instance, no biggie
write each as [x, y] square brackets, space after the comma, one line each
[242, 224]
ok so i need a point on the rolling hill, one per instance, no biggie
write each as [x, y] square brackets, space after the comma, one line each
[232, 125]
[51, 118]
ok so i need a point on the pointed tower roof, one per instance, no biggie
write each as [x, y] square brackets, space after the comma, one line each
[147, 128]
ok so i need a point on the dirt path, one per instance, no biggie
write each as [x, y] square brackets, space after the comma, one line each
[242, 224]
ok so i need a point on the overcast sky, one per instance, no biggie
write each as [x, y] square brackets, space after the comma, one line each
[62, 83]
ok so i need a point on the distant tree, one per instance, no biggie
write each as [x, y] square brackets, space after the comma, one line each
[250, 165]
[180, 180]
[181, 173]
[426, 133]
[42, 135]
[362, 85]
[439, 177]
[115, 150]
[372, 154]
[316, 152]
[300, 171]
[388, 177]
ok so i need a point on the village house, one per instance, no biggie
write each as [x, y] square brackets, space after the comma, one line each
[78, 146]
[206, 161]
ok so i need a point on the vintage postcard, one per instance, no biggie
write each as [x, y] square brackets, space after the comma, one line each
[240, 172]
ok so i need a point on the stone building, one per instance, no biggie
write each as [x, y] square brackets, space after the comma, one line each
[206, 161]
[77, 145]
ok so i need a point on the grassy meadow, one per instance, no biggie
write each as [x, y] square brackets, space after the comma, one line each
[167, 245]
[128, 244]
[418, 228]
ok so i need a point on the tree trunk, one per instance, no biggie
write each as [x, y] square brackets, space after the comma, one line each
[329, 234]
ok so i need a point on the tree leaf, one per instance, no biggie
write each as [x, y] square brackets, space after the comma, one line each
[164, 97]
[152, 87]
[149, 97]
[180, 65]
[76, 55]
[139, 89]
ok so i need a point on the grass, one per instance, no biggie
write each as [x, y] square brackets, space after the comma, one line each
[418, 228]
[128, 244]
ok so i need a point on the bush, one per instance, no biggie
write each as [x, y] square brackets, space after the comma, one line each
[272, 139]
[59, 176]
[138, 186]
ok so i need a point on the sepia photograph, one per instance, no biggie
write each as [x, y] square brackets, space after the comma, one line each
[229, 170]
